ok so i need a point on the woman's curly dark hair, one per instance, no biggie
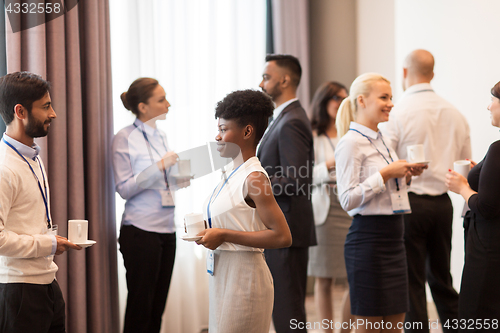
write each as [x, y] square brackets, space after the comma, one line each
[247, 107]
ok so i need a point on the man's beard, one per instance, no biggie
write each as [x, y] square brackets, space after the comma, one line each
[36, 128]
[275, 92]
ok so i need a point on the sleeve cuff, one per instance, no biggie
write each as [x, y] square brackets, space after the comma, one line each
[321, 173]
[376, 182]
[54, 245]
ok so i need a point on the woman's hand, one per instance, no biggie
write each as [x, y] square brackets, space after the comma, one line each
[169, 159]
[417, 171]
[183, 182]
[472, 163]
[212, 238]
[400, 169]
[456, 182]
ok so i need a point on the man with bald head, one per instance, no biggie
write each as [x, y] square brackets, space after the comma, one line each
[286, 153]
[423, 117]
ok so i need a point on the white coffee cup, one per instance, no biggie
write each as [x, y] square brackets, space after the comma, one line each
[462, 167]
[415, 153]
[194, 224]
[78, 231]
[184, 167]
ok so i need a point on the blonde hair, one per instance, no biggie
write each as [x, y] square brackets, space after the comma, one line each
[347, 112]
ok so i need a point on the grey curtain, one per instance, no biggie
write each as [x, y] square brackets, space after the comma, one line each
[72, 51]
[290, 34]
[269, 27]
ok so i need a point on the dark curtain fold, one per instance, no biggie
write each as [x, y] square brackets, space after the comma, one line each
[73, 53]
[269, 27]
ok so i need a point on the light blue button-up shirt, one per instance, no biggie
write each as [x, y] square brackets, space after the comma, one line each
[31, 153]
[132, 158]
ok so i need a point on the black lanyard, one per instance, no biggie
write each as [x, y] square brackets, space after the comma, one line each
[355, 130]
[44, 195]
[148, 143]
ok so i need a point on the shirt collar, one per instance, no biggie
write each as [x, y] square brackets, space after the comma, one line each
[30, 152]
[417, 87]
[364, 130]
[280, 108]
[150, 131]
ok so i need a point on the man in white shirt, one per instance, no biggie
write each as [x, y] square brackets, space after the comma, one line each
[286, 153]
[423, 117]
[30, 298]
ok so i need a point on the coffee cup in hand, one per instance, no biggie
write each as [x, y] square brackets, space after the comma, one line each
[416, 153]
[462, 167]
[194, 224]
[78, 231]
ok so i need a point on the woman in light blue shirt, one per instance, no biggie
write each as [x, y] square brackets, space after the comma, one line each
[142, 163]
[372, 188]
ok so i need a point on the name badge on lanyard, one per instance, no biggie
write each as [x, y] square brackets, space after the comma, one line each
[210, 262]
[167, 196]
[397, 188]
[399, 197]
[210, 254]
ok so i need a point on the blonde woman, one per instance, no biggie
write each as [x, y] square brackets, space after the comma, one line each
[372, 185]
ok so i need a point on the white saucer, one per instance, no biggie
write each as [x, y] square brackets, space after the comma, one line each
[178, 176]
[424, 162]
[86, 244]
[191, 238]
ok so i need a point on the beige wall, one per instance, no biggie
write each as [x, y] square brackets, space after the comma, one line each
[350, 37]
[376, 37]
[333, 42]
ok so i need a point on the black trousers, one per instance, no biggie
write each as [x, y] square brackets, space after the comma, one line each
[428, 232]
[27, 308]
[149, 261]
[289, 269]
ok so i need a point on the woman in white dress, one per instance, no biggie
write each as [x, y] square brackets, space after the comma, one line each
[244, 219]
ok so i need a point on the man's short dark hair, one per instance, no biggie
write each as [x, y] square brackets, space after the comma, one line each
[20, 88]
[289, 62]
[247, 107]
[495, 91]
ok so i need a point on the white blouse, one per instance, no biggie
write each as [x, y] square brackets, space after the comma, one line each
[324, 149]
[360, 185]
[228, 208]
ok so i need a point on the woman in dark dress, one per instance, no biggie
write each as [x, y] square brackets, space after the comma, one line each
[479, 308]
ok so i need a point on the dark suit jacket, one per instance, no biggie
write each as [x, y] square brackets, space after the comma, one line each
[287, 154]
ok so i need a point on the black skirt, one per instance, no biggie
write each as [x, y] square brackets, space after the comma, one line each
[376, 266]
[479, 292]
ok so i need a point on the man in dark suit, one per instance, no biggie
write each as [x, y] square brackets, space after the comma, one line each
[286, 152]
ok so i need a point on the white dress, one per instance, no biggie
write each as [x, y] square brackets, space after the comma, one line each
[241, 291]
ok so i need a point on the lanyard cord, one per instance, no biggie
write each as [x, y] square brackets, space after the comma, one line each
[157, 152]
[330, 142]
[210, 201]
[44, 195]
[390, 156]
